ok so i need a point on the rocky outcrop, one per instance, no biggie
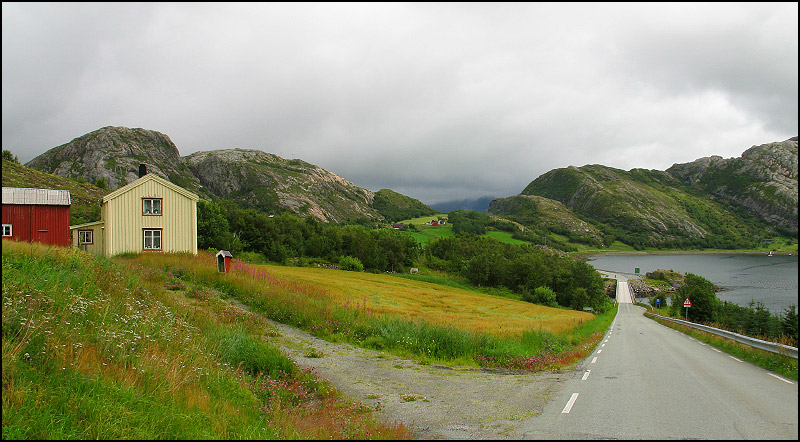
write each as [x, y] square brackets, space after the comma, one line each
[268, 182]
[763, 180]
[113, 155]
[252, 178]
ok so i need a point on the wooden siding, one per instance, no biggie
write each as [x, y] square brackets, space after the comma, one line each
[38, 223]
[97, 235]
[125, 221]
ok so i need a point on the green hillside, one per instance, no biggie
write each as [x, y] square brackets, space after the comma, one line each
[642, 208]
[394, 206]
[86, 198]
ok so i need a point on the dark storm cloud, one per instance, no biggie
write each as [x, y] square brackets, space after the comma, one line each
[436, 101]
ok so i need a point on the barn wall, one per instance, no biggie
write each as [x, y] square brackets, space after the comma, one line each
[39, 223]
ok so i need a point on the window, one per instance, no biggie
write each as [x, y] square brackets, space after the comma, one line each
[6, 229]
[85, 236]
[151, 206]
[152, 239]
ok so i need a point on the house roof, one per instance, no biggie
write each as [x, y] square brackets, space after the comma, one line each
[91, 224]
[146, 178]
[45, 197]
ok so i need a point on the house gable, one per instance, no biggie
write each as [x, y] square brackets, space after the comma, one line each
[149, 214]
[145, 179]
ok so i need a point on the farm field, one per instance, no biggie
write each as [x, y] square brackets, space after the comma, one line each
[417, 300]
[429, 233]
[505, 237]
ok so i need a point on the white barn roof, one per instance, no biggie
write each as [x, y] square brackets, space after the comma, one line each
[25, 195]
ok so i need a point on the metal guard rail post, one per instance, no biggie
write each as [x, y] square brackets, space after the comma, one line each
[773, 347]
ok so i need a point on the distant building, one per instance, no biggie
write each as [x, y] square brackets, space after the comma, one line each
[148, 215]
[36, 215]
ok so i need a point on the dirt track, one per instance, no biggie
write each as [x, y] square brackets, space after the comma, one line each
[437, 402]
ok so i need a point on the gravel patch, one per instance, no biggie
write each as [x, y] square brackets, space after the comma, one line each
[437, 402]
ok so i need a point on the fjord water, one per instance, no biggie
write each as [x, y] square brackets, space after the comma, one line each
[758, 277]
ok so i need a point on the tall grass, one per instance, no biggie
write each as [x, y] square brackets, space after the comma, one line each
[98, 348]
[314, 308]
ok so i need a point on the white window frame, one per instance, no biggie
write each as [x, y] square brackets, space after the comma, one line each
[82, 236]
[152, 209]
[150, 236]
[8, 230]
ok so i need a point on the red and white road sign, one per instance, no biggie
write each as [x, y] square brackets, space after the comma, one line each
[687, 303]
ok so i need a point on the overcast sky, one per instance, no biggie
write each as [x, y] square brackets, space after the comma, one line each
[436, 101]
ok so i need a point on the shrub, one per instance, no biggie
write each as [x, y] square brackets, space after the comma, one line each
[351, 263]
[543, 296]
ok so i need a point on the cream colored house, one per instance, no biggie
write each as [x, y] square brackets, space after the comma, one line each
[149, 214]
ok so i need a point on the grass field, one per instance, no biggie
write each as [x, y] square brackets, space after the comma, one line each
[411, 318]
[426, 234]
[417, 300]
[95, 348]
[505, 237]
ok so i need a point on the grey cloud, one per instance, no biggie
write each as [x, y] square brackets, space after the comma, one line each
[446, 101]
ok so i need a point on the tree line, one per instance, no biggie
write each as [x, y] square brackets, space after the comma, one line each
[753, 320]
[536, 275]
[284, 237]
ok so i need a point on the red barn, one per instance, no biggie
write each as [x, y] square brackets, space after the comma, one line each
[40, 215]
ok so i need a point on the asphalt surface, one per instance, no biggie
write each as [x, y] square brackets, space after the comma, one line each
[648, 381]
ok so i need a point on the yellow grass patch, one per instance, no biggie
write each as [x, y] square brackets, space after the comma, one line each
[433, 303]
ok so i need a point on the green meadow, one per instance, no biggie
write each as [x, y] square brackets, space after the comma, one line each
[153, 346]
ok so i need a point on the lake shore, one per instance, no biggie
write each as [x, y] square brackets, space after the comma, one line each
[680, 252]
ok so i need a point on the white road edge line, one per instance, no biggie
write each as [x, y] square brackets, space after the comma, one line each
[586, 375]
[737, 360]
[594, 359]
[778, 377]
[718, 351]
[571, 402]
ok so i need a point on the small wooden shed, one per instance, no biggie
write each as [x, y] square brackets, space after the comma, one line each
[224, 261]
[36, 215]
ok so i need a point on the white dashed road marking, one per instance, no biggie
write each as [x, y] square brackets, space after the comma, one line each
[570, 403]
[774, 376]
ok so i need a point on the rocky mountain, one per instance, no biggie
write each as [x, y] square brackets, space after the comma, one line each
[111, 156]
[270, 183]
[763, 181]
[711, 202]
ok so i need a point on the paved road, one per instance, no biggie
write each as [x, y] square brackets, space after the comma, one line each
[647, 381]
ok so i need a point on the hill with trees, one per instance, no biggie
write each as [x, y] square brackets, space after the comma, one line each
[709, 203]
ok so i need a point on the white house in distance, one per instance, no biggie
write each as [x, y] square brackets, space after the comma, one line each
[149, 214]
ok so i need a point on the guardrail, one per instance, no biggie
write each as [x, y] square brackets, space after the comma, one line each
[773, 347]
